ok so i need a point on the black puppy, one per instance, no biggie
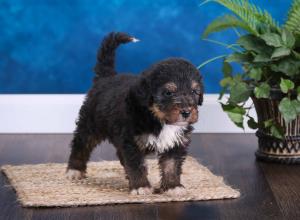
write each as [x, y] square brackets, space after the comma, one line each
[149, 113]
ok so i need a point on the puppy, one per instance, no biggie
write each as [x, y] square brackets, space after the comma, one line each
[139, 115]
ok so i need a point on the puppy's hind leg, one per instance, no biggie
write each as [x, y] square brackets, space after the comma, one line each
[82, 146]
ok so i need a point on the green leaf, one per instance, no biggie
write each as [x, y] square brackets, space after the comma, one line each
[293, 20]
[239, 92]
[263, 28]
[297, 36]
[287, 109]
[235, 113]
[298, 93]
[288, 38]
[272, 39]
[228, 81]
[262, 57]
[296, 104]
[224, 22]
[233, 108]
[255, 73]
[277, 131]
[251, 42]
[252, 123]
[227, 69]
[296, 54]
[238, 57]
[268, 123]
[287, 66]
[281, 52]
[286, 85]
[262, 91]
[249, 13]
[238, 78]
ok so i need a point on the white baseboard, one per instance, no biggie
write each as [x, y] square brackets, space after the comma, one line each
[57, 114]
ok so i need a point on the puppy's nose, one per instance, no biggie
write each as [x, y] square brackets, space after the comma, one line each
[185, 113]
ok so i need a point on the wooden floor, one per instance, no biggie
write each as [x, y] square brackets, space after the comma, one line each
[269, 191]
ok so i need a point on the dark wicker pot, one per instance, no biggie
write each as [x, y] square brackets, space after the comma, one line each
[271, 149]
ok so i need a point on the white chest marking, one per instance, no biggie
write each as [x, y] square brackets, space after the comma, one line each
[169, 136]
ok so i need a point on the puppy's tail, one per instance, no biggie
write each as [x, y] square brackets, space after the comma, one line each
[105, 66]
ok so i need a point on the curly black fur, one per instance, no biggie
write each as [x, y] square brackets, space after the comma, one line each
[132, 112]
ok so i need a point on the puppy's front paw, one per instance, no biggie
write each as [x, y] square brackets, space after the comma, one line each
[72, 174]
[177, 191]
[142, 191]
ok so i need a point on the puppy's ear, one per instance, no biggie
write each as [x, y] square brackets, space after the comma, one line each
[200, 100]
[140, 93]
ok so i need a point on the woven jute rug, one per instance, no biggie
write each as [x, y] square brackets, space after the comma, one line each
[45, 185]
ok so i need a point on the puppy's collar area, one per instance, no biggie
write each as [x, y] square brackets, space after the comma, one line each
[169, 137]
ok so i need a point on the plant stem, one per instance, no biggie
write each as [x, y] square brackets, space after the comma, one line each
[204, 2]
[236, 31]
[211, 60]
[228, 46]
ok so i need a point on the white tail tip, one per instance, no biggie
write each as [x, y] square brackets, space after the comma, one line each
[134, 40]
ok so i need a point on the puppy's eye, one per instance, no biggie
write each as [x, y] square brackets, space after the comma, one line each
[168, 93]
[195, 91]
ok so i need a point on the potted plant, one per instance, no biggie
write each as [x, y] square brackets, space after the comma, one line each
[269, 54]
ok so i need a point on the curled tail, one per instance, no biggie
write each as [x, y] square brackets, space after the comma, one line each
[106, 54]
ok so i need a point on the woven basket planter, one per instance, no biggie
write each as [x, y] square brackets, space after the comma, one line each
[271, 149]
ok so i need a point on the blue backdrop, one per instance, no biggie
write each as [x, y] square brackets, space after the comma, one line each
[49, 46]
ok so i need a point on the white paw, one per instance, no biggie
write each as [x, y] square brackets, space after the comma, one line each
[134, 40]
[72, 174]
[141, 191]
[177, 191]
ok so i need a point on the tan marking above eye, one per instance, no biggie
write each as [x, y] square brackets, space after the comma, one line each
[195, 85]
[172, 87]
